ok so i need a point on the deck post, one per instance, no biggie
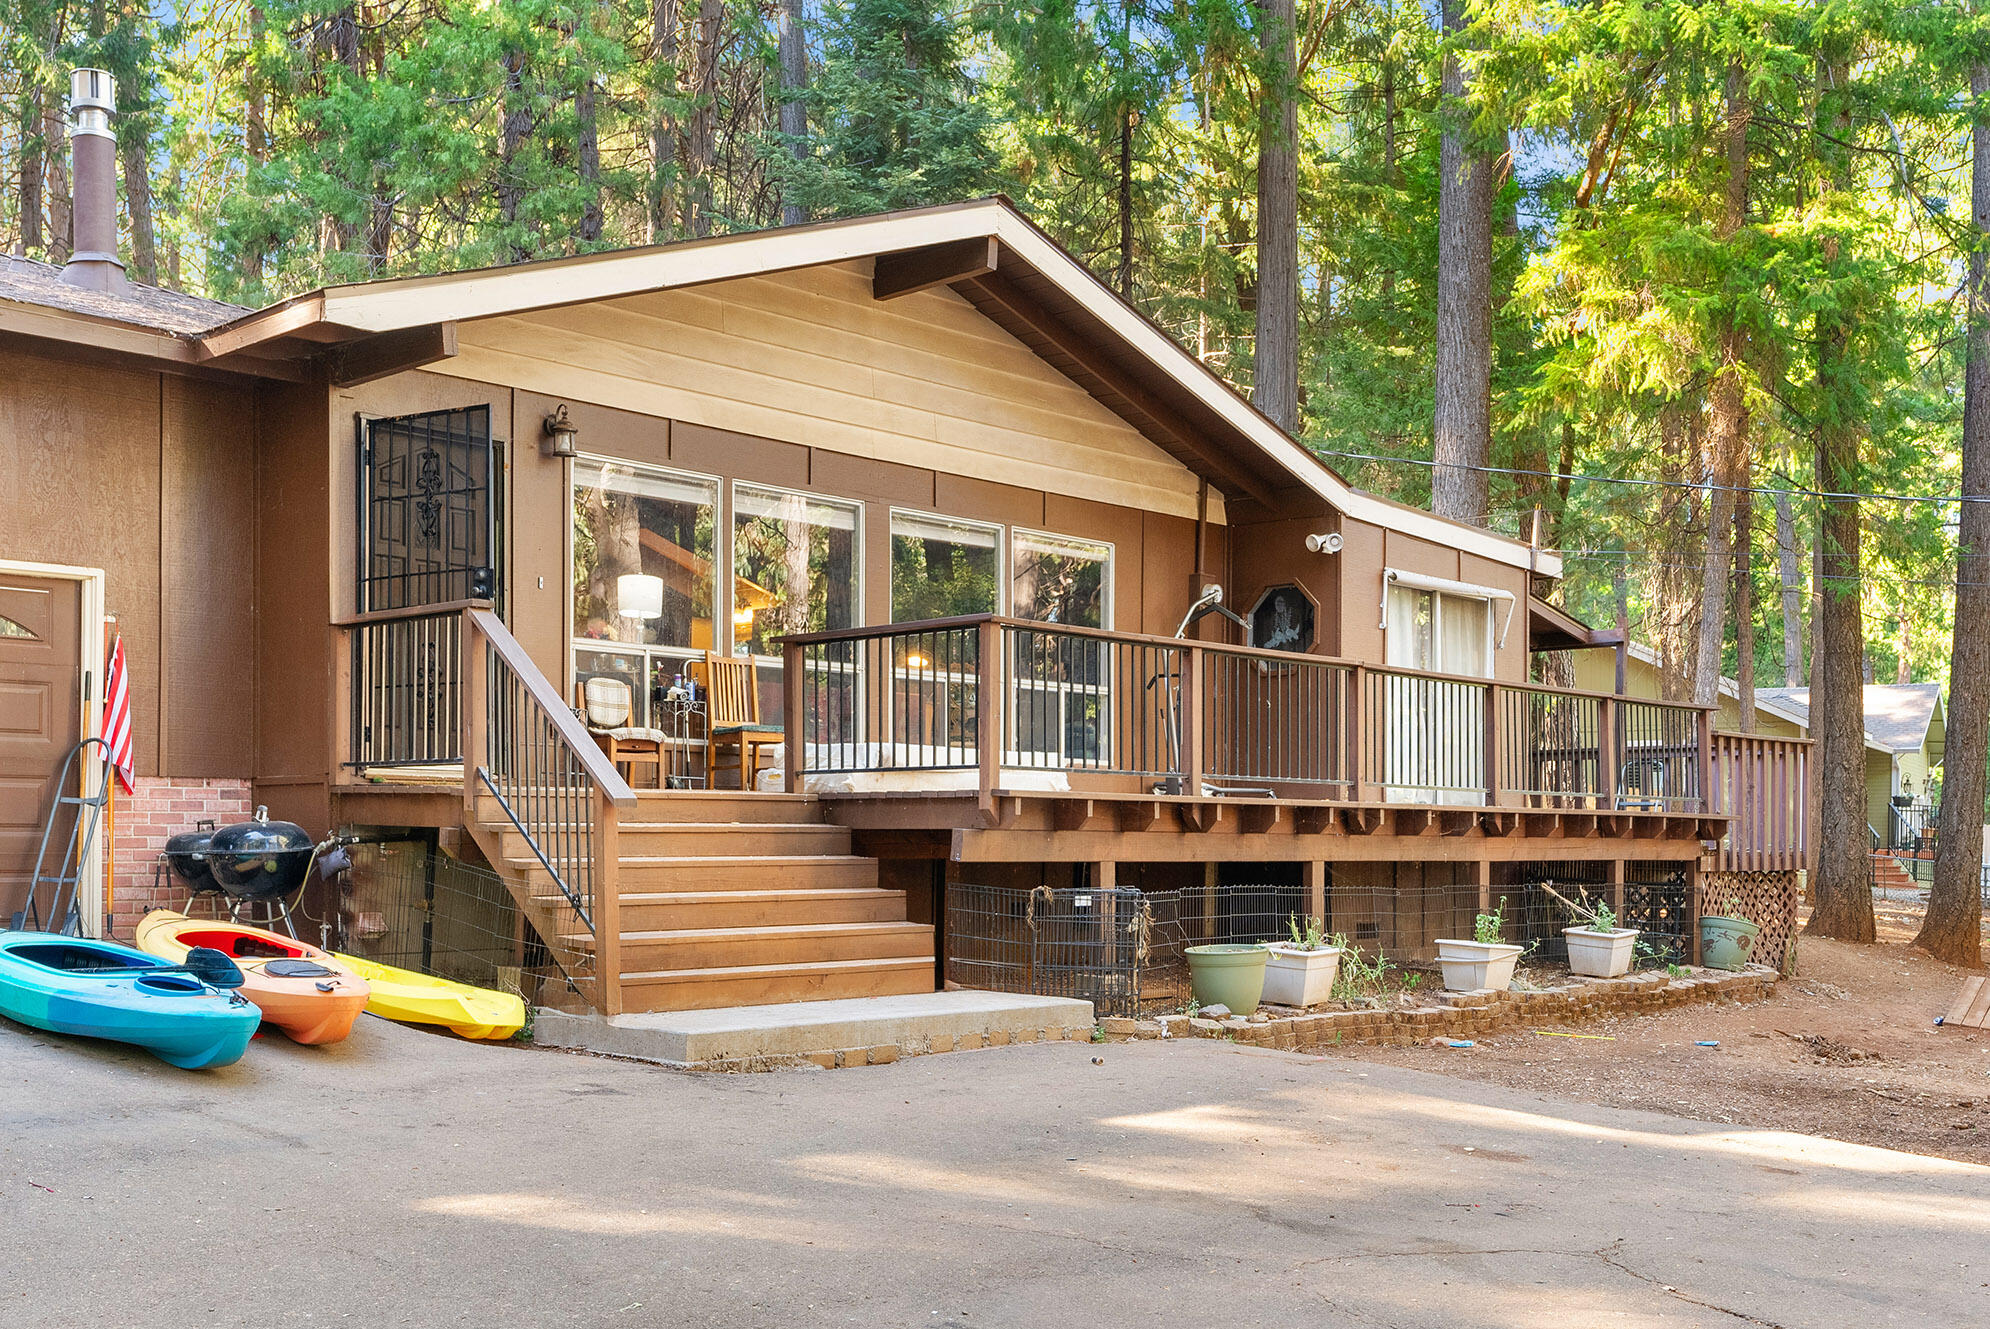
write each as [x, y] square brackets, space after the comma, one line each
[1703, 734]
[608, 904]
[792, 737]
[1357, 688]
[1615, 880]
[476, 707]
[1314, 878]
[1606, 754]
[988, 711]
[1191, 721]
[1495, 694]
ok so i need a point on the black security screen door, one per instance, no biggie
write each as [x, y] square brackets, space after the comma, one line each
[429, 495]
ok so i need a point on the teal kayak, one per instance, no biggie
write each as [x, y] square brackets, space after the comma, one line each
[74, 985]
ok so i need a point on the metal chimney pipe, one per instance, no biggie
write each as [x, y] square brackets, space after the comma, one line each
[93, 261]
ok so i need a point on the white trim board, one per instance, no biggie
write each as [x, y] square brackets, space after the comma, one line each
[91, 612]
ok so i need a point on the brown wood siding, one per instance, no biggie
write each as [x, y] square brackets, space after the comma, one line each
[207, 571]
[148, 477]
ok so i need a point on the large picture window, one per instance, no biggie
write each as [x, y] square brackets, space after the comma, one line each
[943, 567]
[796, 561]
[643, 555]
[1062, 579]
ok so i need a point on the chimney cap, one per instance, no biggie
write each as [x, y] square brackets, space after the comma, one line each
[94, 88]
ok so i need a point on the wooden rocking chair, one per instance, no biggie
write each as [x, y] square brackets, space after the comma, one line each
[732, 719]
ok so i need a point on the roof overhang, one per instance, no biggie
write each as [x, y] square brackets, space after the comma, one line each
[985, 250]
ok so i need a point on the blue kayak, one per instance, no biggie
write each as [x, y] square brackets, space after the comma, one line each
[73, 985]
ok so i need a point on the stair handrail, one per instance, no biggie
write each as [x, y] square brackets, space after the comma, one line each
[486, 644]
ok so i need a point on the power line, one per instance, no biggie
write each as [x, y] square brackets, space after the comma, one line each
[1706, 486]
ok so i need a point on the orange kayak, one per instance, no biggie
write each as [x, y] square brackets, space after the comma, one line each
[308, 993]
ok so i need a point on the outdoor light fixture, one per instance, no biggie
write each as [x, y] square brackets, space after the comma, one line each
[560, 436]
[639, 596]
[1330, 543]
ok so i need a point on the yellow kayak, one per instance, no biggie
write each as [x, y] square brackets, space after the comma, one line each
[403, 994]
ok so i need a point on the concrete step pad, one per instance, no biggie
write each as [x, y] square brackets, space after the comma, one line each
[795, 1030]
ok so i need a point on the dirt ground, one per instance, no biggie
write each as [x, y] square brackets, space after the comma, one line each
[1847, 1049]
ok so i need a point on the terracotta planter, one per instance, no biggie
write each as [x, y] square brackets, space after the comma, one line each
[1472, 965]
[1598, 954]
[1294, 976]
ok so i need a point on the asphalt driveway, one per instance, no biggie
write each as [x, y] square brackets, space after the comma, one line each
[405, 1178]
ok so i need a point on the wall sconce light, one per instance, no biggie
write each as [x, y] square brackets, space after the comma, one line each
[560, 434]
[639, 596]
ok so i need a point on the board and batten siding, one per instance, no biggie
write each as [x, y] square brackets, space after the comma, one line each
[809, 357]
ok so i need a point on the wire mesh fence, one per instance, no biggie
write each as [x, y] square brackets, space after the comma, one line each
[1125, 950]
[409, 905]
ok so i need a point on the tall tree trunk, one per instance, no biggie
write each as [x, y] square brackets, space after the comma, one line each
[30, 197]
[1744, 609]
[1789, 571]
[1728, 448]
[255, 136]
[1952, 929]
[55, 143]
[587, 150]
[663, 122]
[1461, 422]
[1275, 379]
[698, 152]
[1844, 902]
[1123, 204]
[516, 132]
[794, 109]
[1903, 665]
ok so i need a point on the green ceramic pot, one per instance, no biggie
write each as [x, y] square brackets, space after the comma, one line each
[1230, 976]
[1726, 943]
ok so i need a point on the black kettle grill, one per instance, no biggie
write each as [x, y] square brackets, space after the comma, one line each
[261, 862]
[186, 854]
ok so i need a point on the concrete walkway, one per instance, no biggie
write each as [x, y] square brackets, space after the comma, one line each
[405, 1178]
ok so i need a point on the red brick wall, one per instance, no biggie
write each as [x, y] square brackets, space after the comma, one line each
[156, 810]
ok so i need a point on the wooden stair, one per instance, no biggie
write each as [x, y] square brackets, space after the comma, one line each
[731, 900]
[1890, 875]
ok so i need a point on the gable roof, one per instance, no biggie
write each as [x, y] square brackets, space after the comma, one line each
[1898, 715]
[1025, 282]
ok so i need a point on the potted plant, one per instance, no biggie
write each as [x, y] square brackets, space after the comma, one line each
[1727, 940]
[1301, 971]
[1599, 948]
[1483, 962]
[1224, 975]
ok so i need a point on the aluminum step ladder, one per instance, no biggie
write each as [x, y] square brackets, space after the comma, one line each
[62, 913]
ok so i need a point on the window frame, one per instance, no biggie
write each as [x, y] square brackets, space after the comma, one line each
[1000, 529]
[857, 560]
[649, 651]
[1108, 600]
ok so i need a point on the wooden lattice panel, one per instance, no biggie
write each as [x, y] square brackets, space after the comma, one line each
[1766, 899]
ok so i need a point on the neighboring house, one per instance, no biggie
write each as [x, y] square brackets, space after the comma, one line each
[366, 546]
[1644, 677]
[1906, 732]
[1904, 727]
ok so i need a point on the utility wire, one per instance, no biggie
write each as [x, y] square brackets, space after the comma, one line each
[1703, 486]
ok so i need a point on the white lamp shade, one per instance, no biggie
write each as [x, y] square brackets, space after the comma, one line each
[639, 596]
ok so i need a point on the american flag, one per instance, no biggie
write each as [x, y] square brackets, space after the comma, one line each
[117, 715]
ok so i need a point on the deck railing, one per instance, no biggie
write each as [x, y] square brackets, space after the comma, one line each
[448, 686]
[404, 693]
[1763, 783]
[998, 695]
[526, 752]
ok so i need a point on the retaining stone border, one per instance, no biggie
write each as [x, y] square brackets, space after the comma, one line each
[1464, 1014]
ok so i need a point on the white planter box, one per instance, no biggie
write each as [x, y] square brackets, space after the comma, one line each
[1600, 954]
[1295, 977]
[1472, 965]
